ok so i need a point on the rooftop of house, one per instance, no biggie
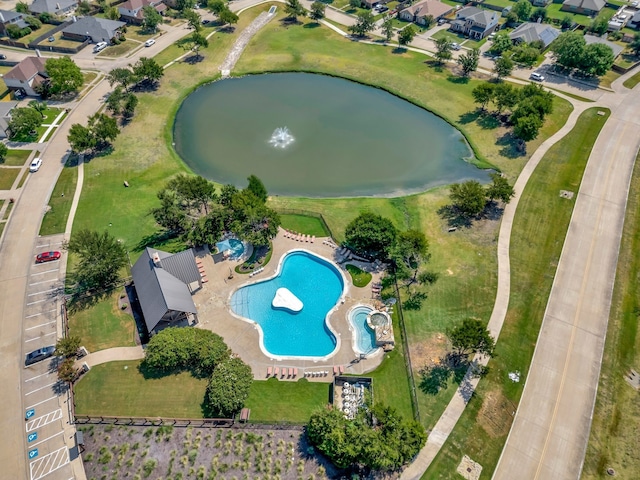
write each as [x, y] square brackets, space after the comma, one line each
[434, 8]
[95, 27]
[595, 5]
[27, 69]
[51, 6]
[531, 32]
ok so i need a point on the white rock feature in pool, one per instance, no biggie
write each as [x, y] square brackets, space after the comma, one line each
[287, 300]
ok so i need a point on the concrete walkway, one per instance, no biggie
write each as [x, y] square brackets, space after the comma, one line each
[112, 355]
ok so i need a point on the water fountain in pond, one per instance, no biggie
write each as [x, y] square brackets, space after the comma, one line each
[281, 138]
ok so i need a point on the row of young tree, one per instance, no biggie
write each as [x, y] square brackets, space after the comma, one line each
[527, 106]
[471, 198]
[192, 209]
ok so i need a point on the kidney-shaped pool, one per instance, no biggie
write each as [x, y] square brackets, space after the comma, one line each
[313, 135]
[286, 329]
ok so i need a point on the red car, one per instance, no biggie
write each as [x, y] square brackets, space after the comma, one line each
[47, 257]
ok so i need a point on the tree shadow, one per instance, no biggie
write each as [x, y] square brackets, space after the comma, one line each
[227, 29]
[146, 86]
[288, 21]
[155, 240]
[454, 217]
[470, 117]
[488, 121]
[512, 147]
[458, 80]
[60, 388]
[311, 25]
[399, 50]
[79, 300]
[492, 211]
[193, 59]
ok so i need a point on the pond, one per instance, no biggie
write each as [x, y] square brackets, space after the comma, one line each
[318, 136]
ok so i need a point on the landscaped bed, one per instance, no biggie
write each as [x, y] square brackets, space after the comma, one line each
[360, 278]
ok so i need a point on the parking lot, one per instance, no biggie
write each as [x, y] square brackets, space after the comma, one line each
[44, 397]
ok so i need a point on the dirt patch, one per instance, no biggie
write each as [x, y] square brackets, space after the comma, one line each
[428, 352]
[496, 414]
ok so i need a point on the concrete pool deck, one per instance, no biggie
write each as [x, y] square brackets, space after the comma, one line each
[214, 314]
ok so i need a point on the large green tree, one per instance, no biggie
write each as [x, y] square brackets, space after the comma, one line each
[596, 60]
[364, 24]
[317, 11]
[468, 198]
[23, 121]
[443, 50]
[257, 188]
[371, 235]
[64, 75]
[229, 387]
[568, 49]
[501, 43]
[387, 28]
[100, 257]
[150, 18]
[294, 9]
[68, 346]
[406, 35]
[500, 188]
[148, 70]
[123, 77]
[469, 61]
[471, 337]
[484, 94]
[104, 129]
[523, 10]
[80, 138]
[503, 66]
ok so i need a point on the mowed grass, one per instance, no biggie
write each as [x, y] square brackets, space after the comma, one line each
[119, 389]
[16, 158]
[632, 81]
[273, 401]
[7, 177]
[538, 234]
[103, 325]
[303, 224]
[55, 220]
[360, 278]
[616, 420]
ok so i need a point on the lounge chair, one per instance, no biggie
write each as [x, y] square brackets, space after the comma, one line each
[341, 369]
[269, 371]
[313, 237]
[276, 371]
[284, 373]
[335, 370]
[291, 372]
[295, 372]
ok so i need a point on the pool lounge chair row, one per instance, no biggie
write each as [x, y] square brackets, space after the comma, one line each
[282, 372]
[299, 237]
[256, 271]
[321, 373]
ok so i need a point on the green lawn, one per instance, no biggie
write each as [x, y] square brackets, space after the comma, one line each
[16, 158]
[36, 33]
[103, 325]
[632, 81]
[61, 42]
[7, 177]
[452, 37]
[273, 401]
[360, 278]
[55, 220]
[119, 50]
[303, 224]
[390, 383]
[536, 243]
[500, 3]
[616, 419]
[119, 389]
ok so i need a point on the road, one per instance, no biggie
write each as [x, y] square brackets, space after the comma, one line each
[550, 432]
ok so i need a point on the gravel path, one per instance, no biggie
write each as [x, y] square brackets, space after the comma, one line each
[242, 42]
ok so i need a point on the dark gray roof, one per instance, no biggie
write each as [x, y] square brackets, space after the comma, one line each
[530, 32]
[99, 29]
[8, 15]
[595, 5]
[617, 49]
[160, 289]
[51, 6]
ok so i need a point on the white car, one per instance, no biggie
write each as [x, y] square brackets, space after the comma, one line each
[538, 77]
[35, 165]
[100, 46]
[149, 42]
[455, 46]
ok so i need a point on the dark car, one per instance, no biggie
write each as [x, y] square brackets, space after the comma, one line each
[47, 257]
[39, 355]
[3, 57]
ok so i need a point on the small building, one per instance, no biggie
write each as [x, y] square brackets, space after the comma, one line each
[418, 11]
[8, 17]
[5, 116]
[96, 29]
[27, 75]
[586, 7]
[351, 393]
[534, 32]
[54, 7]
[617, 49]
[474, 22]
[506, 10]
[164, 283]
[131, 10]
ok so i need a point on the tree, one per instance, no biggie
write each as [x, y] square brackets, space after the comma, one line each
[122, 76]
[4, 150]
[468, 198]
[113, 13]
[148, 70]
[193, 19]
[45, 17]
[33, 22]
[216, 6]
[635, 44]
[503, 66]
[500, 189]
[84, 7]
[364, 24]
[428, 21]
[371, 235]
[130, 104]
[229, 387]
[80, 138]
[566, 22]
[568, 49]
[387, 28]
[600, 24]
[226, 16]
[22, 7]
[525, 55]
[68, 346]
[355, 4]
[526, 128]
[115, 99]
[67, 371]
[469, 61]
[443, 50]
[23, 121]
[512, 18]
[406, 35]
[483, 94]
[596, 60]
[523, 10]
[252, 220]
[100, 258]
[150, 18]
[15, 32]
[317, 11]
[505, 96]
[183, 5]
[257, 188]
[198, 41]
[501, 43]
[294, 9]
[64, 75]
[103, 128]
[539, 13]
[471, 337]
[39, 107]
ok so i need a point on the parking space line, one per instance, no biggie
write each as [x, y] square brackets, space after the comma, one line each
[43, 401]
[48, 244]
[44, 420]
[41, 325]
[37, 301]
[44, 281]
[41, 313]
[45, 465]
[40, 293]
[37, 376]
[41, 388]
[46, 271]
[45, 439]
[41, 336]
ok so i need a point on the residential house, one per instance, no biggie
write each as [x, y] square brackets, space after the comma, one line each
[586, 7]
[5, 116]
[97, 29]
[164, 283]
[8, 17]
[534, 32]
[540, 3]
[131, 10]
[417, 12]
[54, 7]
[635, 20]
[26, 75]
[617, 49]
[474, 22]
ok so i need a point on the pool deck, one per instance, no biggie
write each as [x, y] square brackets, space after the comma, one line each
[212, 302]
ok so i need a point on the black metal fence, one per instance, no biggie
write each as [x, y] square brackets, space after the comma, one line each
[154, 421]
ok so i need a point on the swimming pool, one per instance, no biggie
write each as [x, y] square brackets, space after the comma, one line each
[364, 339]
[237, 248]
[317, 284]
